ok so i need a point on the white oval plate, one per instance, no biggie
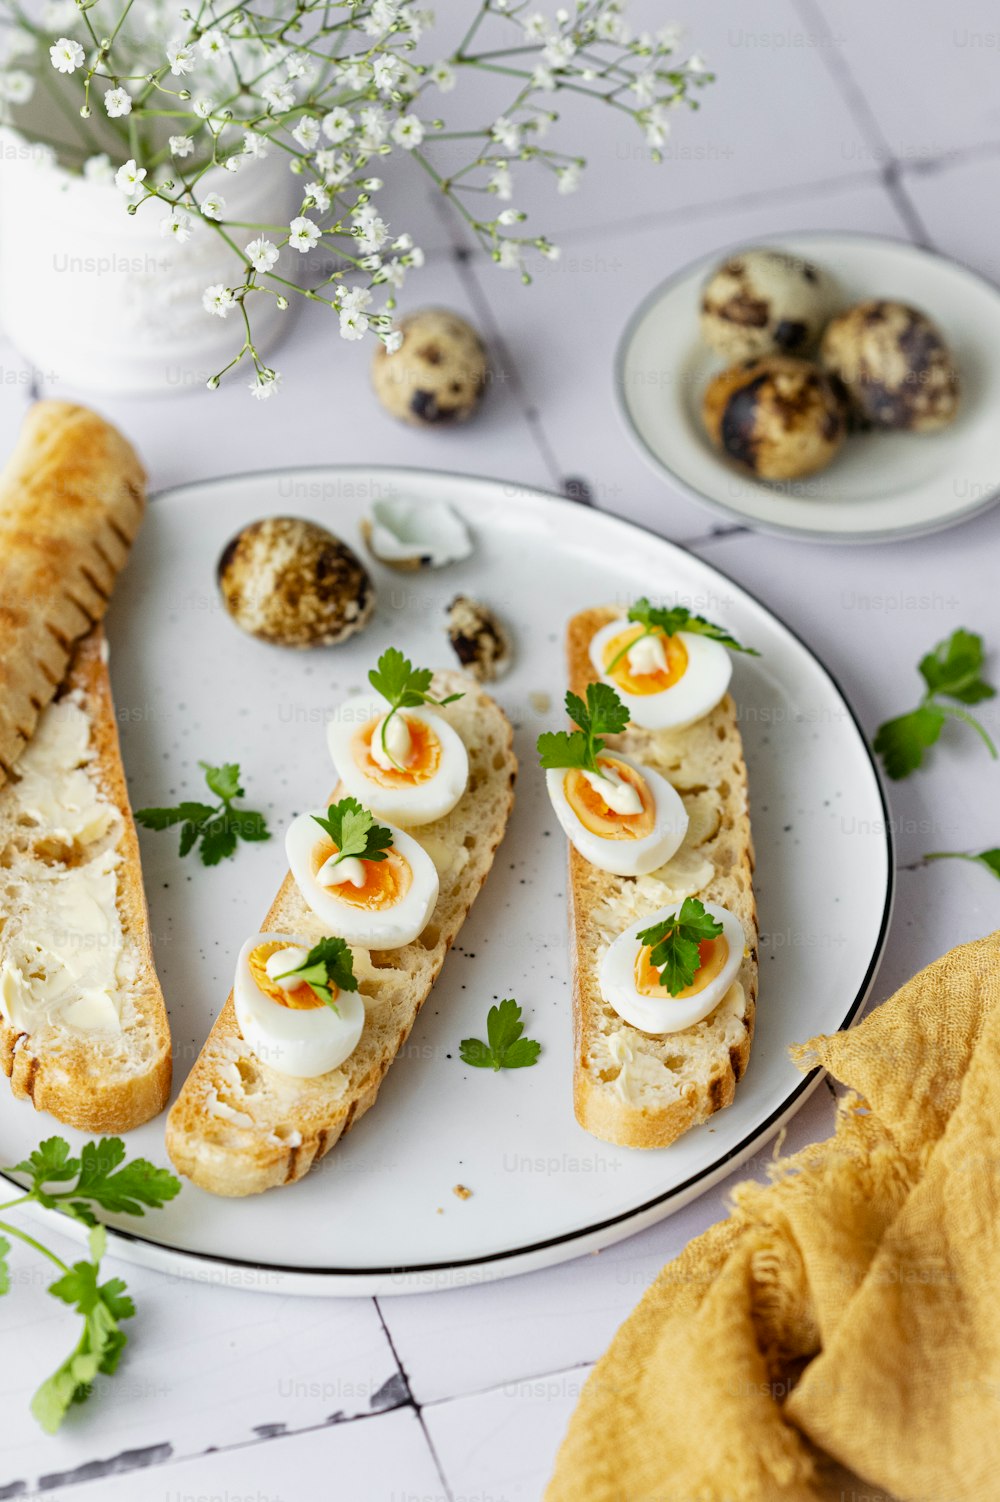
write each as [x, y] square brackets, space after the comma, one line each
[378, 1215]
[881, 485]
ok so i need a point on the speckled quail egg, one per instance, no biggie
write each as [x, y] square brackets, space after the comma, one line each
[763, 302]
[894, 365]
[291, 582]
[777, 417]
[478, 638]
[438, 374]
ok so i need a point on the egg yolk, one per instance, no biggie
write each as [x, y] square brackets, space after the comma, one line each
[422, 764]
[595, 815]
[713, 952]
[302, 999]
[644, 683]
[386, 882]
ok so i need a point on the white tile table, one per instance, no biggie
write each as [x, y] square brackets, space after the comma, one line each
[853, 116]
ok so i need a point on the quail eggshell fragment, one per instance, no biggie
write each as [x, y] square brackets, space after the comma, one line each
[478, 638]
[438, 374]
[778, 417]
[763, 302]
[409, 535]
[894, 365]
[291, 582]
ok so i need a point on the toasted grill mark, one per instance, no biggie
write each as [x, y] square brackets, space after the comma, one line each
[736, 1063]
[59, 637]
[98, 588]
[716, 1093]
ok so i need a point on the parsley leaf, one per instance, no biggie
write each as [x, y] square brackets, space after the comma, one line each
[952, 670]
[403, 686]
[670, 620]
[674, 942]
[101, 1343]
[353, 830]
[99, 1176]
[602, 714]
[217, 828]
[506, 1048]
[328, 964]
[988, 858]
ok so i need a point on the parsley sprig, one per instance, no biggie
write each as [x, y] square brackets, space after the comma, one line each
[353, 830]
[326, 969]
[602, 714]
[952, 671]
[670, 620]
[99, 1176]
[215, 828]
[506, 1048]
[674, 942]
[403, 687]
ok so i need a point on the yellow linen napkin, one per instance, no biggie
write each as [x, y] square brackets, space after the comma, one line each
[838, 1336]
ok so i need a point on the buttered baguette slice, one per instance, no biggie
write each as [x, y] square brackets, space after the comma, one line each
[239, 1126]
[629, 1087]
[83, 1027]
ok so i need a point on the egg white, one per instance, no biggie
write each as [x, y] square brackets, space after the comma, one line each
[409, 806]
[624, 857]
[696, 692]
[305, 1043]
[667, 1014]
[389, 928]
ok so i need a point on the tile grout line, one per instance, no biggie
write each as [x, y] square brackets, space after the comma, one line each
[411, 1402]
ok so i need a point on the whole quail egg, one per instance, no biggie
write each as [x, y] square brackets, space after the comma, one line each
[778, 417]
[894, 365]
[439, 372]
[762, 302]
[291, 582]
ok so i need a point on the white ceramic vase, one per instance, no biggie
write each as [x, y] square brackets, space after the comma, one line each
[101, 299]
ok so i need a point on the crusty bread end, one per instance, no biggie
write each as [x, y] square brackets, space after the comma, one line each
[630, 1088]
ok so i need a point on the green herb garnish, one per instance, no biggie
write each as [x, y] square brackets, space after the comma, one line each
[506, 1048]
[403, 687]
[353, 830]
[326, 969]
[656, 618]
[99, 1176]
[603, 714]
[951, 670]
[988, 858]
[215, 828]
[674, 944]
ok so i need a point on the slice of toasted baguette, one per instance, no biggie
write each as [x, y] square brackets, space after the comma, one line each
[72, 496]
[628, 1087]
[238, 1125]
[98, 1079]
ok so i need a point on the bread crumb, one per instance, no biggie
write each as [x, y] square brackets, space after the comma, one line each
[462, 1192]
[439, 1210]
[540, 703]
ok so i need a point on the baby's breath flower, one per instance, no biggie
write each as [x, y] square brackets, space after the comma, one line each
[254, 146]
[509, 216]
[319, 195]
[354, 300]
[569, 178]
[384, 71]
[262, 254]
[508, 255]
[265, 384]
[213, 206]
[443, 74]
[214, 43]
[58, 14]
[181, 146]
[297, 66]
[558, 52]
[203, 107]
[129, 178]
[66, 55]
[408, 132]
[696, 63]
[535, 26]
[306, 132]
[544, 79]
[16, 86]
[506, 133]
[219, 300]
[393, 341]
[180, 56]
[337, 125]
[177, 226]
[303, 234]
[501, 183]
[353, 325]
[278, 97]
[117, 102]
